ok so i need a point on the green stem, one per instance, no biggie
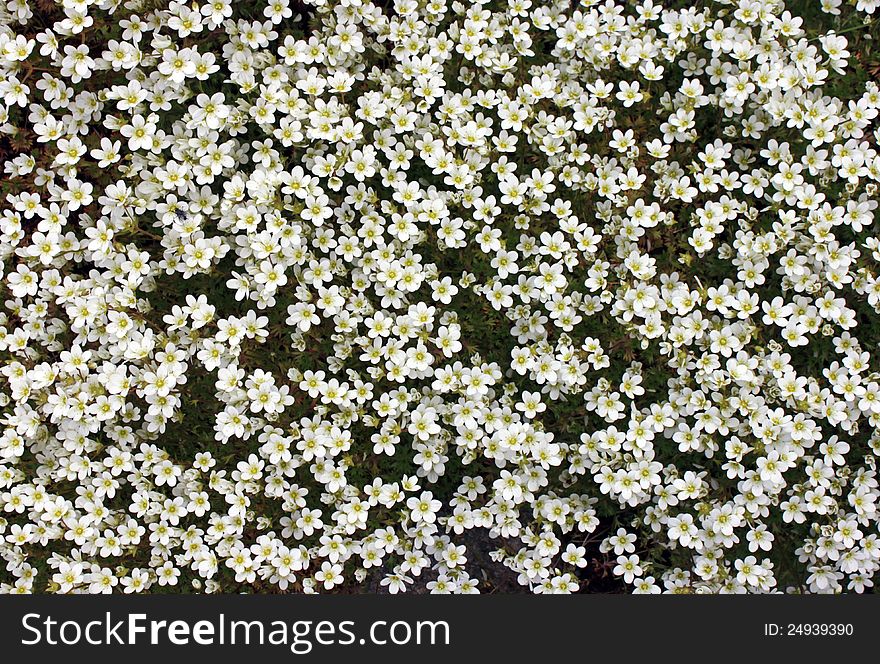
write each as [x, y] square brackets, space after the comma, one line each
[843, 32]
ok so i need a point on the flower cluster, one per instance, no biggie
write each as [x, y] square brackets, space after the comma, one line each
[321, 295]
